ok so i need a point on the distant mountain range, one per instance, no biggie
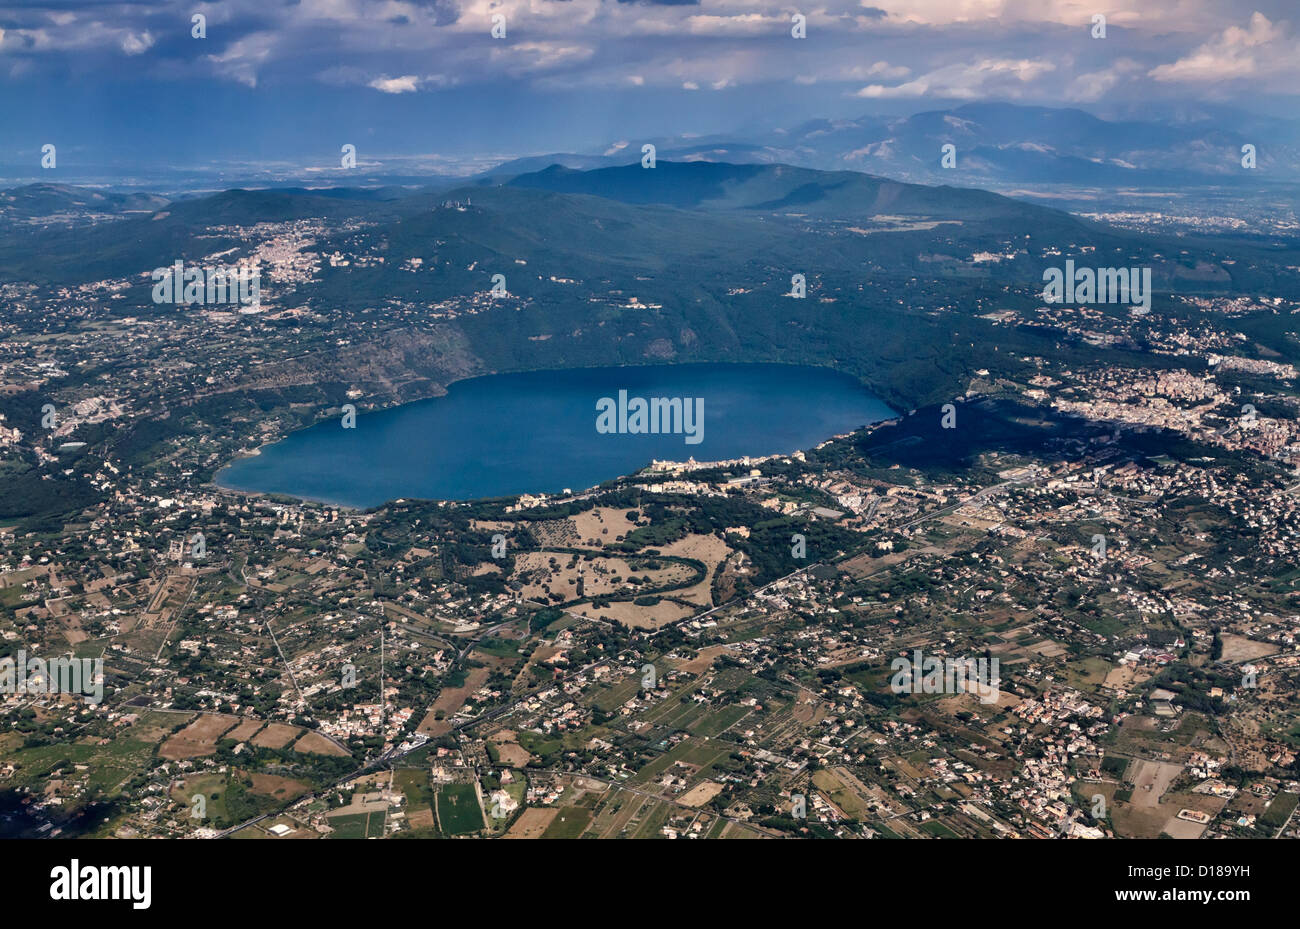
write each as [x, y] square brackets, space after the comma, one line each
[1002, 144]
[1184, 161]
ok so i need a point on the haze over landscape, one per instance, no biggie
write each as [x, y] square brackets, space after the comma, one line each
[647, 419]
[273, 90]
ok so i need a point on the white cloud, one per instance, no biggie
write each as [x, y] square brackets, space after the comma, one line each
[242, 58]
[838, 73]
[525, 57]
[406, 84]
[743, 24]
[1087, 88]
[1155, 15]
[887, 71]
[134, 44]
[1261, 49]
[1009, 76]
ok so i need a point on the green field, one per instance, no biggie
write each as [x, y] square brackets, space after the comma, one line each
[1278, 810]
[717, 722]
[938, 830]
[357, 826]
[414, 785]
[458, 810]
[570, 823]
[654, 820]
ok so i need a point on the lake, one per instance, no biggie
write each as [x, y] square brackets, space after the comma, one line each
[544, 431]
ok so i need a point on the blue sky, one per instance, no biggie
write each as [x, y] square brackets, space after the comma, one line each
[424, 86]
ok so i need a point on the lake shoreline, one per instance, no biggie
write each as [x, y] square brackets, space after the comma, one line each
[812, 394]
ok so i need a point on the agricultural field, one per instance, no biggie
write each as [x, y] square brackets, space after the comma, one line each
[457, 809]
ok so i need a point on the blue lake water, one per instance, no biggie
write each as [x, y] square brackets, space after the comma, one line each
[537, 432]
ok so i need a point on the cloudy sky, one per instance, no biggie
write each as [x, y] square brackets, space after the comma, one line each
[279, 82]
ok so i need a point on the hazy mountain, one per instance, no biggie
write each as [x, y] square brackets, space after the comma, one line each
[517, 166]
[1006, 145]
[1019, 144]
[780, 189]
[58, 203]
